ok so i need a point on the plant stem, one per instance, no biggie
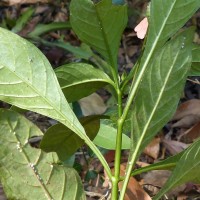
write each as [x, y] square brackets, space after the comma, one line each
[116, 177]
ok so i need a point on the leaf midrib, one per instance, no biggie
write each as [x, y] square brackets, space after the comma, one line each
[46, 100]
[156, 103]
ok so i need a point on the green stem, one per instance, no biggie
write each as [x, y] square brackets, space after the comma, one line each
[125, 113]
[116, 178]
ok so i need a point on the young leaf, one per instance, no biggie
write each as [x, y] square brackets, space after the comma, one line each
[160, 89]
[29, 173]
[187, 169]
[65, 142]
[106, 138]
[99, 25]
[76, 80]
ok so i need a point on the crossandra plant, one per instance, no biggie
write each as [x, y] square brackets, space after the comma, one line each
[154, 86]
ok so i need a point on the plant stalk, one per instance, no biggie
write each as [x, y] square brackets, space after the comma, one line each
[116, 177]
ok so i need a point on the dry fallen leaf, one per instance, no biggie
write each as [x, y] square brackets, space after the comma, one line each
[153, 148]
[15, 2]
[141, 28]
[174, 147]
[92, 105]
[134, 190]
[191, 107]
[154, 180]
[191, 134]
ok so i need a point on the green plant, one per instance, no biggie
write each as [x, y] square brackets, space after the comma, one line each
[28, 81]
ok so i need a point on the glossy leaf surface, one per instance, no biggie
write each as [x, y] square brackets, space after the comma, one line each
[106, 138]
[187, 169]
[65, 142]
[99, 25]
[78, 80]
[28, 81]
[160, 89]
[29, 173]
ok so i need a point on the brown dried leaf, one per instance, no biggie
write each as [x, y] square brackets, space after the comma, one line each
[134, 190]
[191, 107]
[174, 147]
[191, 134]
[154, 180]
[153, 148]
[92, 105]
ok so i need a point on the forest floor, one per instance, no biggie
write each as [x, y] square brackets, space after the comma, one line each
[177, 135]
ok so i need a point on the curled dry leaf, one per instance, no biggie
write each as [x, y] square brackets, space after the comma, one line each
[92, 105]
[153, 148]
[134, 190]
[141, 28]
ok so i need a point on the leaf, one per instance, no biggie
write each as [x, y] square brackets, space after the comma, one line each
[134, 189]
[92, 105]
[153, 148]
[23, 20]
[41, 29]
[187, 114]
[78, 80]
[166, 19]
[29, 173]
[160, 89]
[167, 164]
[99, 25]
[28, 81]
[65, 142]
[195, 70]
[187, 169]
[106, 138]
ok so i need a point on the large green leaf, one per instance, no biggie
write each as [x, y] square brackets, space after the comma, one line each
[29, 173]
[78, 80]
[160, 89]
[106, 138]
[186, 170]
[99, 25]
[65, 142]
[166, 18]
[195, 70]
[28, 81]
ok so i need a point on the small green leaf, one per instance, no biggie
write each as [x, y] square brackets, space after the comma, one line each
[65, 142]
[160, 89]
[78, 80]
[99, 25]
[106, 138]
[186, 170]
[29, 173]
